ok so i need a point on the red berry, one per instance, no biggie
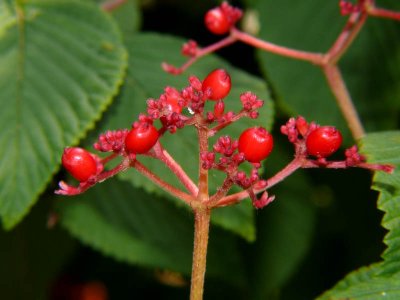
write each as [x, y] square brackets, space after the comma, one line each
[173, 99]
[323, 141]
[141, 138]
[256, 144]
[217, 84]
[173, 104]
[217, 21]
[79, 163]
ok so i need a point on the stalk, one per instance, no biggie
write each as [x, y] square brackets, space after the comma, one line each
[201, 231]
[342, 95]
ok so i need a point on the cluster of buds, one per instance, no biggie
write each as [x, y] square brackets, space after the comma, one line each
[111, 141]
[347, 7]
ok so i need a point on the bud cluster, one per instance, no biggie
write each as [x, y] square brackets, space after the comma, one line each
[111, 141]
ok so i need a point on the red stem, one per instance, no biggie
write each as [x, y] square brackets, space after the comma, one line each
[315, 58]
[215, 129]
[295, 164]
[350, 31]
[383, 13]
[343, 98]
[202, 52]
[176, 168]
[221, 192]
[109, 158]
[161, 183]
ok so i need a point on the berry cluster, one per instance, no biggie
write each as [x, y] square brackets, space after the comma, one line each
[314, 144]
[221, 19]
[173, 110]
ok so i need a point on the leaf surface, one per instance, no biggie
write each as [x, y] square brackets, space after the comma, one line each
[382, 279]
[61, 64]
[132, 226]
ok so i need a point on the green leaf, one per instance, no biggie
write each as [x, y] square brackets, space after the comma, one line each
[284, 231]
[385, 148]
[146, 79]
[127, 15]
[379, 280]
[367, 67]
[32, 256]
[365, 284]
[61, 64]
[131, 226]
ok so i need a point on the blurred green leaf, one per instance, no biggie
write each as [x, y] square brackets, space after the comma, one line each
[61, 63]
[146, 79]
[127, 14]
[379, 280]
[132, 226]
[284, 231]
[32, 256]
[368, 66]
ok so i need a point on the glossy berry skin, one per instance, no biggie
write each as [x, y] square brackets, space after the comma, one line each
[256, 144]
[217, 22]
[323, 141]
[173, 104]
[79, 163]
[218, 83]
[141, 139]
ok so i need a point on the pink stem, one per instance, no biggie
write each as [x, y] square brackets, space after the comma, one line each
[200, 53]
[167, 159]
[109, 158]
[343, 165]
[84, 186]
[383, 13]
[315, 58]
[214, 130]
[295, 164]
[161, 183]
[222, 191]
[343, 99]
[346, 37]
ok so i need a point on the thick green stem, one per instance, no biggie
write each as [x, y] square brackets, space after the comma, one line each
[201, 230]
